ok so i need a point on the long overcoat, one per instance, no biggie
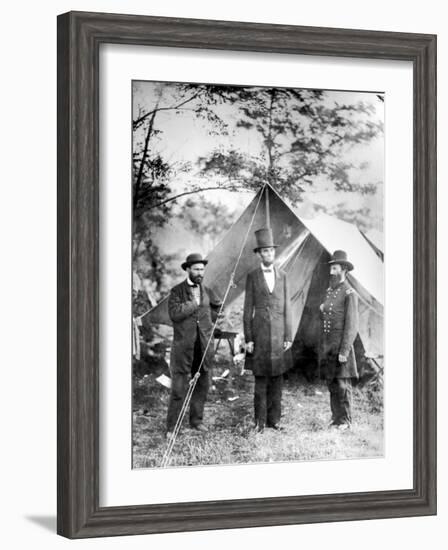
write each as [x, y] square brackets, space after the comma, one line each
[267, 322]
[340, 325]
[188, 320]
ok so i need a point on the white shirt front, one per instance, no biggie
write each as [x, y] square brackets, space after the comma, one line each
[195, 290]
[269, 276]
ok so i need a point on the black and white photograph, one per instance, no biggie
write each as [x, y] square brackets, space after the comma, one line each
[258, 267]
[221, 256]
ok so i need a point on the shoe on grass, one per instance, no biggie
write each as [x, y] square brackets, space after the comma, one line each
[276, 427]
[200, 428]
[343, 427]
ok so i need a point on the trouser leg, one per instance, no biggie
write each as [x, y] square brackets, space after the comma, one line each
[274, 399]
[179, 388]
[341, 400]
[345, 400]
[260, 401]
[334, 400]
[199, 395]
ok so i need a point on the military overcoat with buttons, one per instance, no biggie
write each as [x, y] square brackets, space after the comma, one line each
[267, 322]
[188, 319]
[340, 324]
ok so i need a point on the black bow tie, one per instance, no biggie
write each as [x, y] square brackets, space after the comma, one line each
[267, 270]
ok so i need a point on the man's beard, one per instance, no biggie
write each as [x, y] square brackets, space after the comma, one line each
[335, 280]
[196, 279]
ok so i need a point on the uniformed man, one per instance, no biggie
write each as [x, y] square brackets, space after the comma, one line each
[339, 315]
[267, 331]
[192, 308]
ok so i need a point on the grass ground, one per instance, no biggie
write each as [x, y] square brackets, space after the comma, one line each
[231, 438]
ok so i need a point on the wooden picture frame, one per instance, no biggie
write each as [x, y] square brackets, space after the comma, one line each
[79, 38]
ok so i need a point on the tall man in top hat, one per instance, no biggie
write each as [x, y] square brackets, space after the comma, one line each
[339, 315]
[267, 330]
[192, 308]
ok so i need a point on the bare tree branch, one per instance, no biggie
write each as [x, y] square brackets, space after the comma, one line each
[142, 162]
[137, 122]
[199, 190]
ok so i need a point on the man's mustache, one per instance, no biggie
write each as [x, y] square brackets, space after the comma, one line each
[335, 279]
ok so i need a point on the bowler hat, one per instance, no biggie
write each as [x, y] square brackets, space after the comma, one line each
[264, 239]
[194, 258]
[340, 257]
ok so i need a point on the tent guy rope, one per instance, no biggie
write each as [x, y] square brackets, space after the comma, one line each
[167, 455]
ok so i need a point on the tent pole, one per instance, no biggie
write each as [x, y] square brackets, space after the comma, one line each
[268, 214]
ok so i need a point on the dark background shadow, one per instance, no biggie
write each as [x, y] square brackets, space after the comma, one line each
[47, 522]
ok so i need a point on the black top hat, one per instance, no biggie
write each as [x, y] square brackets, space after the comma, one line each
[264, 239]
[194, 258]
[340, 257]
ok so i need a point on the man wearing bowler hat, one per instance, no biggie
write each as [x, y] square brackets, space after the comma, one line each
[192, 308]
[267, 330]
[339, 316]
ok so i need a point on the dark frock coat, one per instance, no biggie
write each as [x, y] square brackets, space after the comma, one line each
[189, 319]
[267, 322]
[339, 327]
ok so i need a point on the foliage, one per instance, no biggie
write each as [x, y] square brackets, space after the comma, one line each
[207, 219]
[303, 137]
[297, 137]
[153, 175]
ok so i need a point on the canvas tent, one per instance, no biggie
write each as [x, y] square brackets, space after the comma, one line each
[376, 240]
[304, 250]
